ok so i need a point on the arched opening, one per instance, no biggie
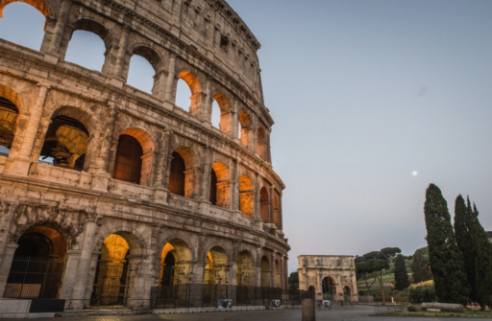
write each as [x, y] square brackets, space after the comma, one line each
[216, 113]
[277, 280]
[66, 143]
[134, 156]
[111, 284]
[181, 174]
[328, 288]
[311, 292]
[244, 128]
[38, 263]
[176, 260]
[265, 205]
[8, 121]
[87, 46]
[246, 195]
[347, 294]
[213, 187]
[188, 91]
[141, 74]
[276, 210]
[221, 115]
[245, 270]
[220, 185]
[13, 17]
[128, 165]
[262, 144]
[216, 267]
[265, 273]
[177, 175]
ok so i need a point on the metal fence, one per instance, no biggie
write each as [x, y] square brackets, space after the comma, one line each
[203, 295]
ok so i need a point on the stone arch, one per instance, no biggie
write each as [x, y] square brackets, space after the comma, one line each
[176, 259]
[265, 205]
[9, 114]
[119, 264]
[193, 82]
[262, 143]
[38, 263]
[67, 139]
[247, 193]
[134, 156]
[150, 56]
[277, 209]
[245, 269]
[245, 125]
[224, 112]
[181, 175]
[277, 277]
[216, 269]
[328, 288]
[43, 6]
[220, 185]
[265, 272]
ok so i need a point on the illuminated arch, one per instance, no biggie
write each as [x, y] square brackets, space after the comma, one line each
[176, 258]
[220, 185]
[181, 176]
[245, 124]
[265, 205]
[40, 5]
[246, 195]
[193, 83]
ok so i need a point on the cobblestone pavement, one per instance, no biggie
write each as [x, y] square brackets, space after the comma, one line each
[358, 313]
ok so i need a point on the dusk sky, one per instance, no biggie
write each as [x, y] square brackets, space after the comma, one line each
[373, 100]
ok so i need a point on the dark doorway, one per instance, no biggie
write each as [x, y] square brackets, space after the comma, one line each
[168, 273]
[128, 163]
[177, 175]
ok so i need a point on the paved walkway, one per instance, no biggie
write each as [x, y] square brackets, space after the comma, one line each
[357, 313]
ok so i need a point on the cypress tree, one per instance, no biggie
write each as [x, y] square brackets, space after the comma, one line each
[420, 265]
[401, 276]
[445, 258]
[462, 221]
[482, 259]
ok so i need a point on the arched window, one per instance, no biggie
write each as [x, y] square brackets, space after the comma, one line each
[244, 128]
[37, 266]
[176, 259]
[216, 113]
[246, 195]
[128, 165]
[262, 144]
[328, 288]
[188, 92]
[277, 210]
[14, 26]
[87, 47]
[8, 121]
[141, 74]
[65, 144]
[265, 205]
[220, 185]
[177, 175]
[216, 267]
[265, 273]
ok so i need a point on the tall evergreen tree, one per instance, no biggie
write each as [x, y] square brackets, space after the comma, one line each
[462, 221]
[445, 257]
[482, 260]
[420, 265]
[401, 275]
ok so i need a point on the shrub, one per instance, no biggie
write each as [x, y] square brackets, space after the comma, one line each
[422, 293]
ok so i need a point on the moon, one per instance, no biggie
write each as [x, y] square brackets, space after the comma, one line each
[415, 173]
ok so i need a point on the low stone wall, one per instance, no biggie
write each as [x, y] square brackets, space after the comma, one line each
[16, 309]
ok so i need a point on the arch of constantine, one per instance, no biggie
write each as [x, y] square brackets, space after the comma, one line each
[328, 277]
[109, 194]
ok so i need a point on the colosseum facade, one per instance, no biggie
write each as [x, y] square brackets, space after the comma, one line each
[111, 195]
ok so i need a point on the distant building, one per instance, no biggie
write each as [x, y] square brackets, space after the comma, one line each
[331, 277]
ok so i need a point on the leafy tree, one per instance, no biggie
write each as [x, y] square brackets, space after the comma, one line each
[401, 275]
[482, 286]
[421, 266]
[462, 224]
[391, 251]
[294, 282]
[445, 257]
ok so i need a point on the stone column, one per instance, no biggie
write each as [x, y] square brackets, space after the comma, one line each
[234, 186]
[254, 135]
[235, 121]
[83, 283]
[257, 207]
[5, 264]
[170, 91]
[115, 58]
[21, 156]
[69, 277]
[207, 176]
[160, 83]
[54, 31]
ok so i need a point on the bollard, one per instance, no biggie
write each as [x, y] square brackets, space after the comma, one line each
[308, 310]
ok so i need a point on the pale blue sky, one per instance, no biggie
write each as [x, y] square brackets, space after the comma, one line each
[363, 93]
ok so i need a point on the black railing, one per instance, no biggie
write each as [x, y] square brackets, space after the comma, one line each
[203, 295]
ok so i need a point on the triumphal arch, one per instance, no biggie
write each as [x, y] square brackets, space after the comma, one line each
[328, 277]
[110, 195]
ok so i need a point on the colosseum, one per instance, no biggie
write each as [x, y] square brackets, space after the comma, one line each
[111, 195]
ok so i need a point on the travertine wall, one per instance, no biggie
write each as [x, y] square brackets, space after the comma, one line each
[340, 269]
[201, 41]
